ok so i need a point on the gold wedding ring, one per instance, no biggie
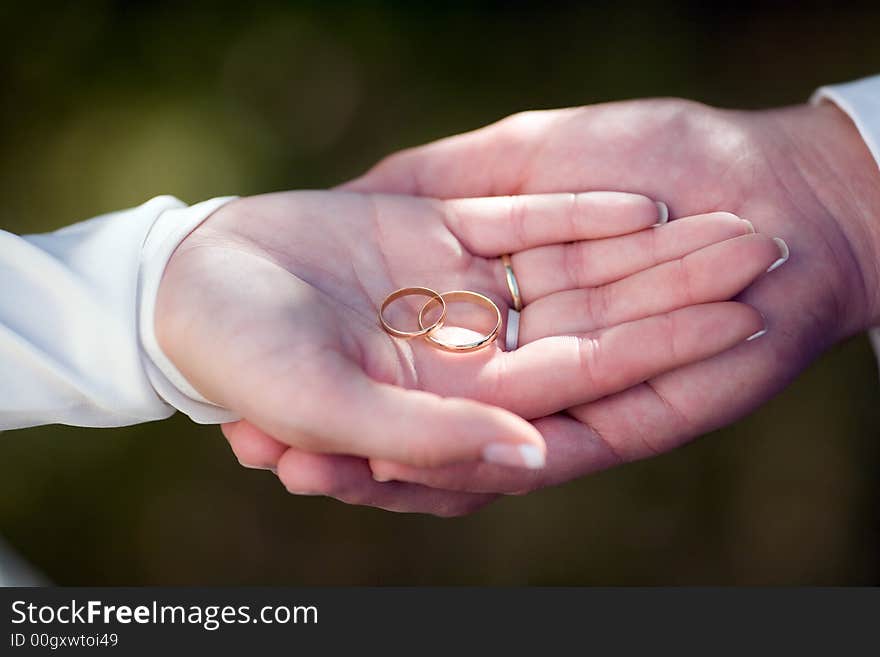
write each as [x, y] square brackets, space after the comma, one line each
[512, 285]
[423, 331]
[462, 295]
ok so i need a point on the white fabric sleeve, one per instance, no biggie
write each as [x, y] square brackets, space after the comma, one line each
[70, 350]
[170, 230]
[860, 100]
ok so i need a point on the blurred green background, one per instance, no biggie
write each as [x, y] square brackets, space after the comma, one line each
[107, 104]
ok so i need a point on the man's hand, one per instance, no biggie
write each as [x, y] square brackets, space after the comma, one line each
[802, 173]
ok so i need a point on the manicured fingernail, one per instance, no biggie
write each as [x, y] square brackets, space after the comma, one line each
[758, 334]
[517, 456]
[258, 467]
[380, 478]
[662, 213]
[784, 253]
[749, 225]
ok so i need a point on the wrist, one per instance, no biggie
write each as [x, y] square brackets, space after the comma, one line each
[168, 232]
[843, 180]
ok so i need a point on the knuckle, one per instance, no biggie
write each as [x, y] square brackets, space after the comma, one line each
[684, 280]
[598, 303]
[574, 212]
[670, 336]
[517, 213]
[573, 264]
[590, 361]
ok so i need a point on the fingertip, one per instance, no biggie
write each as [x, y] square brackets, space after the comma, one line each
[759, 320]
[499, 427]
[304, 473]
[229, 429]
[747, 322]
[516, 455]
[756, 335]
[784, 254]
[252, 447]
[378, 470]
[612, 214]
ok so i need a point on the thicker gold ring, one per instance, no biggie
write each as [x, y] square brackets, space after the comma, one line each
[512, 285]
[463, 295]
[409, 291]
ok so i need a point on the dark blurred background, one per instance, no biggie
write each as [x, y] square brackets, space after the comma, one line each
[107, 104]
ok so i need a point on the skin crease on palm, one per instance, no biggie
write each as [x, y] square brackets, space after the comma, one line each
[802, 173]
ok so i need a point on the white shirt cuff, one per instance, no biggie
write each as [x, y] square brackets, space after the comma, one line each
[169, 230]
[860, 100]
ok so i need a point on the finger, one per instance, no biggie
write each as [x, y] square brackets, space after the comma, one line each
[492, 226]
[345, 478]
[571, 149]
[669, 410]
[252, 447]
[495, 157]
[349, 480]
[715, 273]
[640, 422]
[554, 373]
[590, 263]
[343, 411]
[573, 450]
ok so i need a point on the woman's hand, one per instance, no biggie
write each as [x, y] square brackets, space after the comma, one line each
[269, 309]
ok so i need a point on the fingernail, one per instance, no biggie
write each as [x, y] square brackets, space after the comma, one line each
[249, 466]
[517, 456]
[303, 493]
[662, 213]
[758, 334]
[755, 336]
[784, 253]
[380, 478]
[749, 224]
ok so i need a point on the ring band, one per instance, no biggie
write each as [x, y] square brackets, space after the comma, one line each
[409, 291]
[512, 285]
[511, 340]
[463, 295]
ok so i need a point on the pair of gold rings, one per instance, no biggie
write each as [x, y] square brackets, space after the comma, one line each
[427, 331]
[437, 299]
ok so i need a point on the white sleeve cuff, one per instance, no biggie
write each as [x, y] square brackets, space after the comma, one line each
[169, 230]
[860, 100]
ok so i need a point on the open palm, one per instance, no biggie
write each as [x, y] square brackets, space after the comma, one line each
[269, 309]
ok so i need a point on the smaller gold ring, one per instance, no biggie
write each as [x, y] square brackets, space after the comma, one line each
[512, 285]
[467, 295]
[409, 291]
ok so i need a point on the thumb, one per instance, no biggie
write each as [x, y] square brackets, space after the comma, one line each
[350, 413]
[485, 162]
